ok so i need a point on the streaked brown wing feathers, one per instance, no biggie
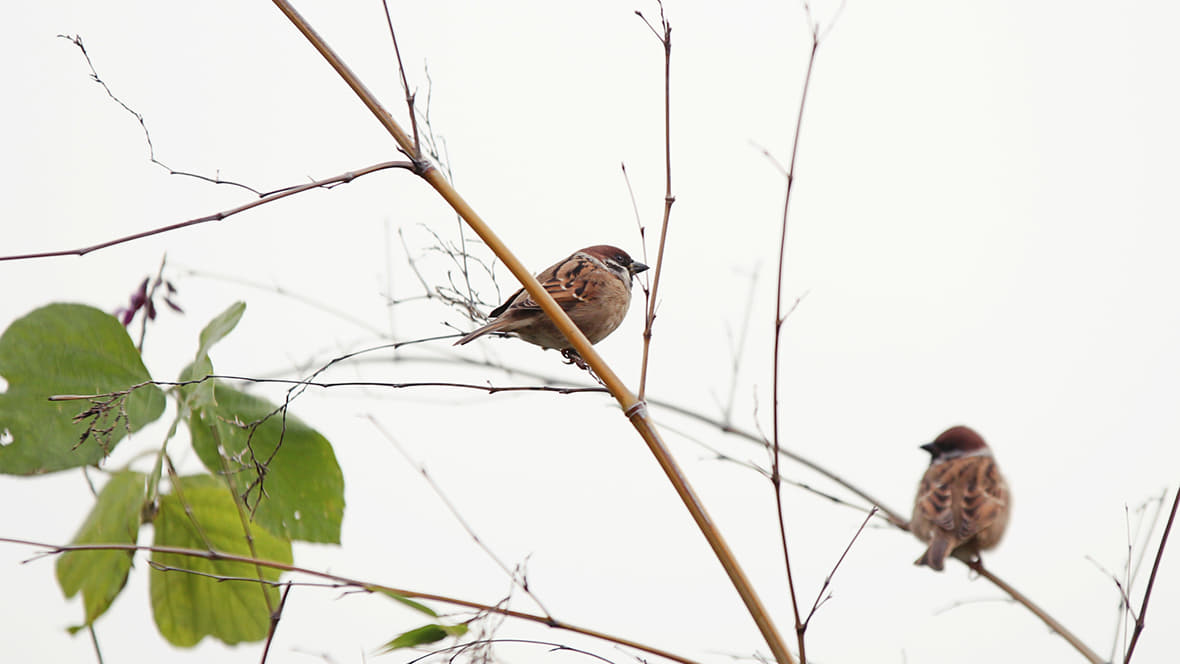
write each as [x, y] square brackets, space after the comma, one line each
[560, 281]
[962, 497]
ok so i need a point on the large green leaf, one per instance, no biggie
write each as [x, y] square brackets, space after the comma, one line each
[218, 598]
[68, 349]
[301, 493]
[101, 575]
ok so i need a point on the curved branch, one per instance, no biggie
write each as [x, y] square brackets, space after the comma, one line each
[1073, 640]
[211, 554]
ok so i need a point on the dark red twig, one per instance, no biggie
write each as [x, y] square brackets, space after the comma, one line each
[343, 178]
[1141, 619]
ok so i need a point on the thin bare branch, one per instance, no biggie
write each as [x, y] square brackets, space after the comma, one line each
[401, 70]
[779, 317]
[718, 455]
[274, 622]
[517, 579]
[738, 347]
[978, 568]
[343, 178]
[553, 647]
[76, 40]
[56, 549]
[819, 596]
[488, 388]
[1141, 619]
[665, 38]
[280, 290]
[635, 211]
[896, 518]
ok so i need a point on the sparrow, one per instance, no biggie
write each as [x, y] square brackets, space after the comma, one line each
[963, 501]
[592, 285]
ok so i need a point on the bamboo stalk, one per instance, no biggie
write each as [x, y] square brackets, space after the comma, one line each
[635, 410]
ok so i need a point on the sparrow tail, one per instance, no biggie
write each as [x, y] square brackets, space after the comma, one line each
[475, 334]
[935, 555]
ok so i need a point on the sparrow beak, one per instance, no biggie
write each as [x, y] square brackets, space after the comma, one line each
[636, 267]
[931, 448]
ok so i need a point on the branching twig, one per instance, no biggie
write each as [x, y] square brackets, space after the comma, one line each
[1141, 619]
[819, 596]
[665, 37]
[401, 70]
[779, 318]
[1144, 527]
[76, 40]
[343, 178]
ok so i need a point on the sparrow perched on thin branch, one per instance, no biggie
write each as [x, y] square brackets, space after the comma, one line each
[593, 286]
[963, 501]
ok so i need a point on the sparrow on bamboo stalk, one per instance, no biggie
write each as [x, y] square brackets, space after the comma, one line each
[592, 286]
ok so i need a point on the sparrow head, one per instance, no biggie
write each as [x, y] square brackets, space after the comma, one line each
[957, 441]
[616, 260]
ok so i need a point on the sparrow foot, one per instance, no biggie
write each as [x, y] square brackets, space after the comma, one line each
[571, 357]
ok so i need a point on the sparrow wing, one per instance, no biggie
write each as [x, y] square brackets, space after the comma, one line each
[962, 497]
[935, 501]
[565, 281]
[984, 499]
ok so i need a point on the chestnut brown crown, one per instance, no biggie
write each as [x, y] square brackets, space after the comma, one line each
[955, 441]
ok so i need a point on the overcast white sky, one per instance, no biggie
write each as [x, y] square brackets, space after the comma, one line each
[985, 231]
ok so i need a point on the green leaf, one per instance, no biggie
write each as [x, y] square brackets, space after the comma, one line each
[101, 575]
[422, 636]
[302, 488]
[417, 606]
[197, 395]
[219, 327]
[219, 598]
[200, 394]
[68, 349]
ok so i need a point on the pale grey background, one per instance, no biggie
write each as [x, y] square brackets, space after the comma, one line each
[985, 229]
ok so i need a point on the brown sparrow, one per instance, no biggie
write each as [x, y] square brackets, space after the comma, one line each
[593, 286]
[962, 502]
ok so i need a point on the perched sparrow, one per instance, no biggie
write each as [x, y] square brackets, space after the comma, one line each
[593, 286]
[962, 503]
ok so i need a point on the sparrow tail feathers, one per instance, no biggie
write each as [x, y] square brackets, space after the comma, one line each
[935, 555]
[490, 327]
